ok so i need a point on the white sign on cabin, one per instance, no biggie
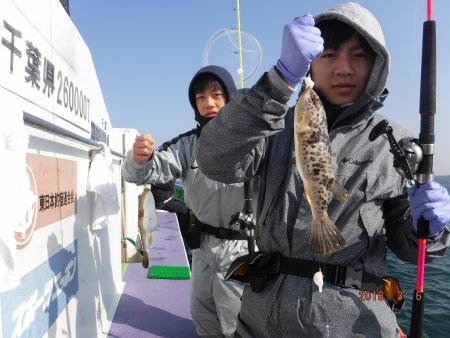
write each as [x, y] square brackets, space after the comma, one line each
[43, 62]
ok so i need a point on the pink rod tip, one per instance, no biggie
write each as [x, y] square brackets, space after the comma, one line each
[429, 10]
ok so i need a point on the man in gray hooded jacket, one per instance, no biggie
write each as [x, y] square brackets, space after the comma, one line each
[215, 303]
[253, 138]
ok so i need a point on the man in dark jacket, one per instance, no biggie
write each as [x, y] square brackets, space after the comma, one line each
[164, 200]
[215, 302]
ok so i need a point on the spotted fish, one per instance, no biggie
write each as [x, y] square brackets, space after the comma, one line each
[313, 159]
[146, 223]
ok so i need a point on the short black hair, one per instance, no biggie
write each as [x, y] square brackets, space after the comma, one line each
[335, 33]
[208, 81]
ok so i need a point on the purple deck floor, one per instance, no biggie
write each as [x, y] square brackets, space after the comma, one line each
[167, 247]
[156, 307]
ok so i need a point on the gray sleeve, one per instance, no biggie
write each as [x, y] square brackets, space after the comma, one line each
[232, 145]
[165, 165]
[401, 238]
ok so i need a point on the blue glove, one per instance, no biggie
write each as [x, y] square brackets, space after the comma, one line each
[432, 202]
[301, 43]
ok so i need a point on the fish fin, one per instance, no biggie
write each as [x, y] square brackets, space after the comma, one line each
[325, 237]
[302, 126]
[339, 192]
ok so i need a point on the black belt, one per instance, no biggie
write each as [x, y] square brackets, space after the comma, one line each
[343, 276]
[223, 233]
[255, 269]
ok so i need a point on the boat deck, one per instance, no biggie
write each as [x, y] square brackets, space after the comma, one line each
[156, 307]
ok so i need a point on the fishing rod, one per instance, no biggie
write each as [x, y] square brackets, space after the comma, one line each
[240, 69]
[425, 169]
[245, 218]
[414, 158]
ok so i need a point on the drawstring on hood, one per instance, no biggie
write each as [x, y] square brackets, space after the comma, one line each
[226, 81]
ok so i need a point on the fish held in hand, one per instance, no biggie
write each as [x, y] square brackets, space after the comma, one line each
[146, 223]
[313, 159]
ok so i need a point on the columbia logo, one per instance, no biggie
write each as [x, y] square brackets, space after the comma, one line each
[353, 161]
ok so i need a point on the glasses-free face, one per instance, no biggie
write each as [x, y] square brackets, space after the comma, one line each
[341, 74]
[209, 102]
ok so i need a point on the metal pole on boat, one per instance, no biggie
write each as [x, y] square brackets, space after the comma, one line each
[425, 170]
[123, 194]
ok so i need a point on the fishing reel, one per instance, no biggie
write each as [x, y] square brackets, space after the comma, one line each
[407, 152]
[244, 218]
[247, 226]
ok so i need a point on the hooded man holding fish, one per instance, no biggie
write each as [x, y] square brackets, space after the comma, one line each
[214, 302]
[298, 285]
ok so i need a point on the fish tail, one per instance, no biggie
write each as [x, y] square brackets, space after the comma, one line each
[339, 192]
[325, 237]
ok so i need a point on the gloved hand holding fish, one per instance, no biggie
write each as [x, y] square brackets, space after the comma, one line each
[313, 158]
[301, 44]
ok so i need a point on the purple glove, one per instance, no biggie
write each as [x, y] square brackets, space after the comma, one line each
[301, 43]
[432, 202]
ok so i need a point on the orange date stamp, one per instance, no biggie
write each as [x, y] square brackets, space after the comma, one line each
[366, 295]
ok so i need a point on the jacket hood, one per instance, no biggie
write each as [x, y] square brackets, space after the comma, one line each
[365, 23]
[226, 81]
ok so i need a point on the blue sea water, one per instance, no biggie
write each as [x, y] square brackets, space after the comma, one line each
[436, 289]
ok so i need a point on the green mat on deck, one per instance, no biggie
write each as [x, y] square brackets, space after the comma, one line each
[168, 272]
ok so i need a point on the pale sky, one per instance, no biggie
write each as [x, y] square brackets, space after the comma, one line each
[146, 52]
